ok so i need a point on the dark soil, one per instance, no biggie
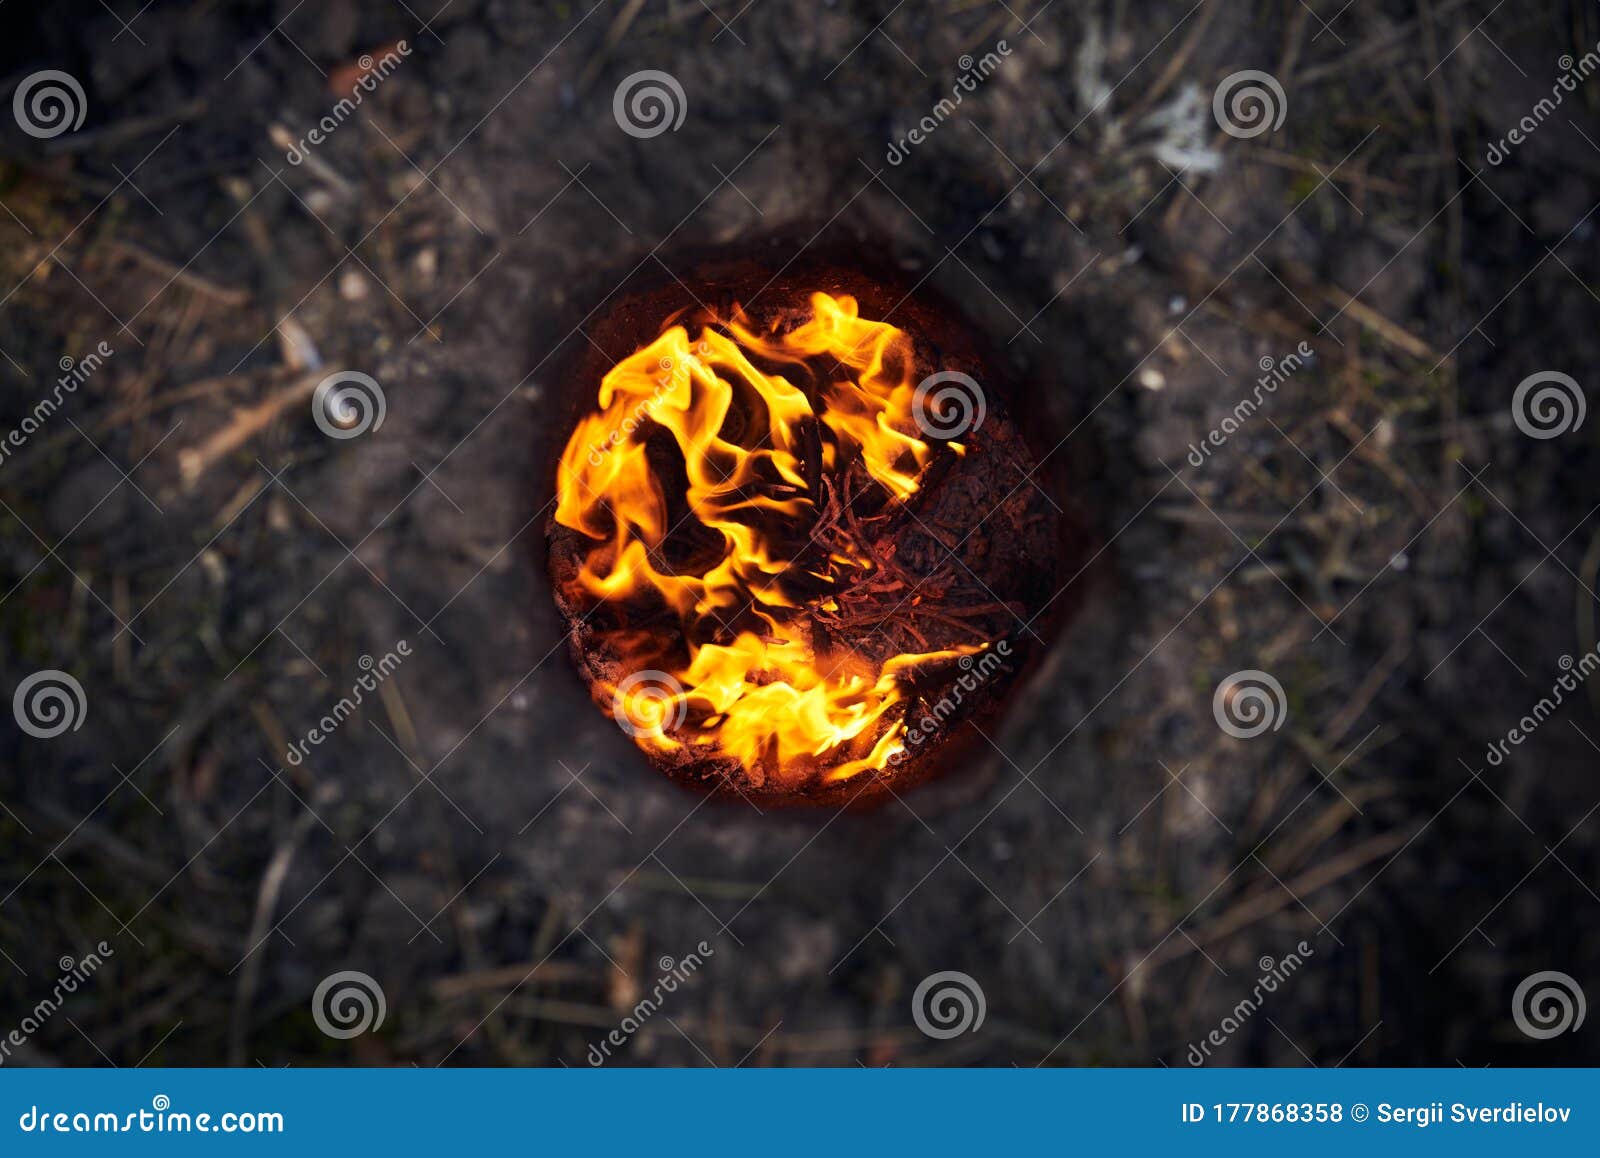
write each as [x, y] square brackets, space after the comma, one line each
[1108, 864]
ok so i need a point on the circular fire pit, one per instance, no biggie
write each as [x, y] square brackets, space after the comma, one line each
[795, 542]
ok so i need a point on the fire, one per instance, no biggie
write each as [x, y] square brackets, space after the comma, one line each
[713, 483]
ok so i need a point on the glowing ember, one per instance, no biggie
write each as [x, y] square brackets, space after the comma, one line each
[735, 497]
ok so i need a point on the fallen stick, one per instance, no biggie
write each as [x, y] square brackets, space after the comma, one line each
[1254, 908]
[509, 977]
[246, 424]
[227, 295]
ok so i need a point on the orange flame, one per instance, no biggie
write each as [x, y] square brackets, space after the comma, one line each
[745, 675]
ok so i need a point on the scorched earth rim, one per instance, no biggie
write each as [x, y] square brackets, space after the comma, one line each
[779, 271]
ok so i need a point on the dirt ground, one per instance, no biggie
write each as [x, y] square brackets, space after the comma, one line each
[1112, 867]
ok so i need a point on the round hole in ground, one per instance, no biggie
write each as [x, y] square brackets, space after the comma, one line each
[805, 535]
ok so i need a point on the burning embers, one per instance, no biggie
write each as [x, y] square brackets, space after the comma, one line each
[787, 534]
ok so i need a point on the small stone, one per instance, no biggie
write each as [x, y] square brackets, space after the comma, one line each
[216, 568]
[352, 286]
[321, 202]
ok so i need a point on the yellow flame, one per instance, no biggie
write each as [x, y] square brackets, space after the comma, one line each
[737, 441]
